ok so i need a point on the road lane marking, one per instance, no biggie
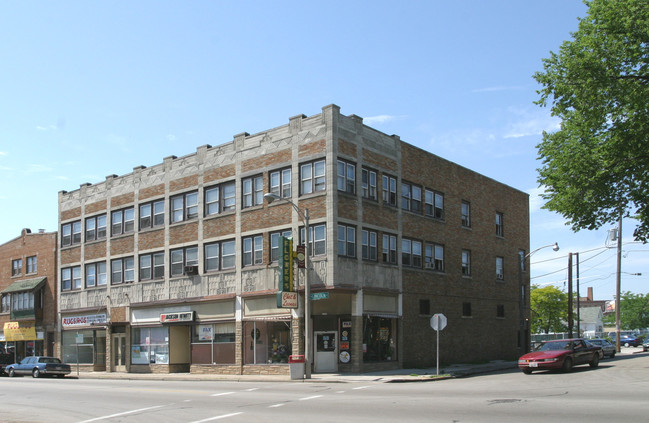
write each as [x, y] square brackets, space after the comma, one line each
[310, 398]
[223, 416]
[361, 387]
[121, 414]
[251, 389]
[277, 405]
[222, 393]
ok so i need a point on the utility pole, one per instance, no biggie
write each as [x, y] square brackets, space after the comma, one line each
[618, 284]
[578, 299]
[570, 322]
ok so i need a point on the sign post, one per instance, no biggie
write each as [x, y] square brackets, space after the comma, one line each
[438, 322]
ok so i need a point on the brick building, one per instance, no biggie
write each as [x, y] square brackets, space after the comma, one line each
[28, 282]
[174, 267]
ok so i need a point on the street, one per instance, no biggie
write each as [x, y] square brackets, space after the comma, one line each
[616, 391]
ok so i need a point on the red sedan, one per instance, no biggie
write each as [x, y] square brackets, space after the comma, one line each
[560, 354]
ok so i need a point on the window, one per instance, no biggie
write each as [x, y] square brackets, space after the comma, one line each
[411, 197]
[424, 307]
[16, 267]
[6, 303]
[182, 257]
[280, 182]
[220, 198]
[500, 270]
[22, 301]
[500, 311]
[122, 270]
[411, 253]
[521, 260]
[70, 278]
[369, 247]
[150, 345]
[435, 257]
[346, 177]
[152, 266]
[434, 204]
[466, 309]
[466, 263]
[152, 214]
[368, 184]
[466, 214]
[317, 239]
[219, 256]
[500, 230]
[346, 241]
[389, 247]
[122, 221]
[253, 250]
[184, 207]
[379, 339]
[253, 191]
[274, 243]
[213, 343]
[389, 190]
[71, 234]
[312, 177]
[95, 227]
[96, 274]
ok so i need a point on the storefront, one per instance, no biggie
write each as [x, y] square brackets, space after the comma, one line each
[83, 340]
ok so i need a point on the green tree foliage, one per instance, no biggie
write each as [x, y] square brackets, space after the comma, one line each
[596, 166]
[549, 309]
[634, 312]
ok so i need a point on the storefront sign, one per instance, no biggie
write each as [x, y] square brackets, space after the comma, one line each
[186, 316]
[286, 264]
[91, 319]
[17, 331]
[287, 299]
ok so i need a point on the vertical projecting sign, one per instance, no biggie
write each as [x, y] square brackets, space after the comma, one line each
[286, 297]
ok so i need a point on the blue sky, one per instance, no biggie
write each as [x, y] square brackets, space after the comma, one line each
[91, 89]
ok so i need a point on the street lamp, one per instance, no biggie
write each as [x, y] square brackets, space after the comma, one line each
[304, 215]
[522, 338]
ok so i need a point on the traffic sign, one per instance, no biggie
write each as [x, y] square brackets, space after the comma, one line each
[438, 322]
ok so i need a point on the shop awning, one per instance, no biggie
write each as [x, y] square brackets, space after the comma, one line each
[25, 285]
[277, 317]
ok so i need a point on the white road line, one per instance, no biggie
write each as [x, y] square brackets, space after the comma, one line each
[251, 389]
[222, 393]
[224, 416]
[277, 405]
[361, 387]
[121, 414]
[310, 398]
[340, 392]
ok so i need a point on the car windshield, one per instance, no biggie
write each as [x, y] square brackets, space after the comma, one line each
[49, 360]
[554, 346]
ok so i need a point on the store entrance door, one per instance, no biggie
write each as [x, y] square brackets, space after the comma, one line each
[326, 352]
[118, 352]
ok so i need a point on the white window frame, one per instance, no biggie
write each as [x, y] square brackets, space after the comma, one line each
[346, 176]
[368, 183]
[280, 182]
[252, 191]
[312, 177]
[253, 250]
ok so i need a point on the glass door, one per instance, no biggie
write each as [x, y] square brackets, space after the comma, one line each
[119, 352]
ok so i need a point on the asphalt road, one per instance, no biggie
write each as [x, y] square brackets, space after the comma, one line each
[616, 391]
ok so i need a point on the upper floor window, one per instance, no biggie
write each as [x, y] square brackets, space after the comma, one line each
[500, 268]
[280, 182]
[411, 197]
[22, 301]
[466, 263]
[123, 221]
[152, 214]
[521, 260]
[6, 303]
[434, 204]
[466, 214]
[411, 253]
[220, 255]
[220, 198]
[17, 267]
[312, 177]
[389, 248]
[95, 227]
[369, 245]
[500, 228]
[184, 207]
[274, 243]
[317, 239]
[500, 311]
[346, 177]
[346, 241]
[32, 264]
[389, 190]
[181, 257]
[466, 310]
[70, 278]
[253, 250]
[368, 184]
[96, 274]
[253, 191]
[152, 266]
[424, 307]
[435, 257]
[122, 270]
[71, 234]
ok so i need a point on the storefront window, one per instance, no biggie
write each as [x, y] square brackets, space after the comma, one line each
[86, 346]
[271, 344]
[150, 346]
[213, 344]
[379, 339]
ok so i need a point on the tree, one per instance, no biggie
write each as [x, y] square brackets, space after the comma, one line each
[634, 312]
[596, 166]
[549, 309]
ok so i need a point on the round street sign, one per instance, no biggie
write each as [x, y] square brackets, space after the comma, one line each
[438, 322]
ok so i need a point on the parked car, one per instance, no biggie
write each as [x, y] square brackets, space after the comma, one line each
[560, 354]
[645, 344]
[608, 349]
[39, 366]
[629, 341]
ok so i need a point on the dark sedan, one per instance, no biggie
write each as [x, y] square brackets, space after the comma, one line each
[608, 349]
[39, 366]
[560, 354]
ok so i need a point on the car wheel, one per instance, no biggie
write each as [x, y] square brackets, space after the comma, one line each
[595, 361]
[36, 373]
[626, 344]
[612, 355]
[12, 373]
[527, 371]
[567, 364]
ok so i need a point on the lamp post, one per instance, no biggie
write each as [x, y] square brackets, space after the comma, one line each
[522, 338]
[304, 215]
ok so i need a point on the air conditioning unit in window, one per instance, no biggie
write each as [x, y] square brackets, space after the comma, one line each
[428, 265]
[191, 270]
[500, 276]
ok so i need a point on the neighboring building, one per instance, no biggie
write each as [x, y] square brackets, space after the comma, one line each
[173, 268]
[590, 321]
[28, 280]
